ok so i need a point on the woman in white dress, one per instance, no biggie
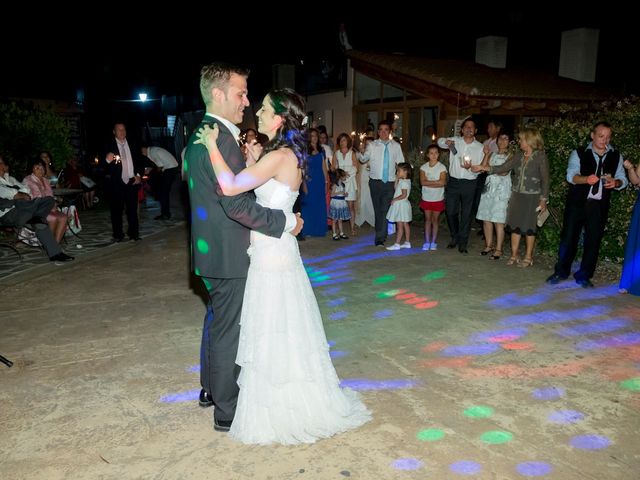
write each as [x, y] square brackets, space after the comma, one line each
[492, 209]
[345, 159]
[289, 390]
[364, 206]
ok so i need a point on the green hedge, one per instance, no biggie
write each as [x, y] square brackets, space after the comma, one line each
[26, 130]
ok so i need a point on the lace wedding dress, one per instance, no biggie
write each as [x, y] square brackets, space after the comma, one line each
[289, 390]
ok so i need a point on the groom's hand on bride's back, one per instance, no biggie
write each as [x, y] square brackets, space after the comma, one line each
[298, 227]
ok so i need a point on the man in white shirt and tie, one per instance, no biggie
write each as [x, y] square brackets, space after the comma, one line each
[383, 155]
[124, 178]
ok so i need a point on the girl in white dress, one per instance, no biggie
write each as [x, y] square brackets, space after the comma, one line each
[345, 159]
[400, 210]
[289, 390]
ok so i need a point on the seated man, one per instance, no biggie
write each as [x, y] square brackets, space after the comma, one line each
[17, 209]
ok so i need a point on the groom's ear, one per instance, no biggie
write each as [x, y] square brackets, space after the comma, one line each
[217, 95]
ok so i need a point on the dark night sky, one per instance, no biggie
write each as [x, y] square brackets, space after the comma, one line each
[165, 57]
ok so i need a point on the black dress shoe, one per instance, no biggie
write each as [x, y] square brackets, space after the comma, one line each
[452, 245]
[379, 244]
[463, 249]
[135, 239]
[554, 279]
[61, 257]
[118, 239]
[585, 283]
[205, 399]
[221, 425]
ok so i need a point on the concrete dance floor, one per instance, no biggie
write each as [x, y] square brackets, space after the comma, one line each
[472, 369]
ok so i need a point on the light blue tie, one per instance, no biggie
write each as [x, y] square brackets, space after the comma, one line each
[385, 163]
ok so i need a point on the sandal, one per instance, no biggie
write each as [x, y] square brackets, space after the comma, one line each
[527, 262]
[513, 260]
[497, 254]
[336, 236]
[486, 251]
[343, 236]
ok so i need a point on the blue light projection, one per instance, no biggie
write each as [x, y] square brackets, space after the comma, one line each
[380, 314]
[331, 291]
[407, 464]
[533, 469]
[178, 397]
[554, 316]
[548, 393]
[338, 353]
[464, 350]
[622, 340]
[564, 417]
[361, 384]
[339, 315]
[595, 327]
[194, 369]
[465, 467]
[330, 281]
[590, 442]
[331, 343]
[505, 335]
[591, 294]
[513, 300]
[336, 302]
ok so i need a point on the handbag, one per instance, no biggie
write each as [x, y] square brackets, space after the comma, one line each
[542, 217]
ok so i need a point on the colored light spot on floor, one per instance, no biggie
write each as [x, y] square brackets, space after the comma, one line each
[413, 301]
[565, 416]
[464, 350]
[390, 293]
[321, 278]
[460, 362]
[404, 296]
[194, 369]
[361, 384]
[433, 276]
[548, 393]
[336, 302]
[187, 396]
[595, 327]
[380, 314]
[632, 384]
[518, 346]
[533, 469]
[407, 464]
[590, 442]
[331, 343]
[384, 279]
[465, 467]
[202, 246]
[430, 435]
[313, 273]
[496, 437]
[478, 411]
[338, 353]
[426, 305]
[338, 315]
[502, 335]
[616, 341]
[434, 347]
[331, 290]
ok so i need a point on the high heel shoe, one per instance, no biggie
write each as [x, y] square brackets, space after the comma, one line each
[496, 255]
[526, 262]
[513, 260]
[486, 251]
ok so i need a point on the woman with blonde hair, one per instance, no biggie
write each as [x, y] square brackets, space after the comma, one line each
[529, 191]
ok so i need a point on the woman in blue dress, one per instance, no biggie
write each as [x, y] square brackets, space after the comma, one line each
[630, 281]
[314, 196]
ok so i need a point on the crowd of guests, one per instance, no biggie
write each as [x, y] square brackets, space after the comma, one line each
[504, 188]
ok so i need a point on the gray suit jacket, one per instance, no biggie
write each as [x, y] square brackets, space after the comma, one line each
[220, 225]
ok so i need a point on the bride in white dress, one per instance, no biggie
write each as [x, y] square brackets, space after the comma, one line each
[289, 390]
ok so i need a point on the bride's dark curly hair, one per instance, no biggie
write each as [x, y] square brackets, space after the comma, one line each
[290, 106]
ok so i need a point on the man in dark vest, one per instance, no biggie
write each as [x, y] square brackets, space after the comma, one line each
[592, 172]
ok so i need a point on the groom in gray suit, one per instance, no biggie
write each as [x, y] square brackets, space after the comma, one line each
[220, 229]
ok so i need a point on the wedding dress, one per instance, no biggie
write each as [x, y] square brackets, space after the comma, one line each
[289, 390]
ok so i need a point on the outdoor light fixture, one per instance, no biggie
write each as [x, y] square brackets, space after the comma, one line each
[142, 97]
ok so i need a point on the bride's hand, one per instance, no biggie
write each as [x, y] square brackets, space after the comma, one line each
[254, 150]
[207, 136]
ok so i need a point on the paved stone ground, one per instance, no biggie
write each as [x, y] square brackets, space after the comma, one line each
[471, 369]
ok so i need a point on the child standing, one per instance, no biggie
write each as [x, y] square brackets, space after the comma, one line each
[338, 208]
[400, 210]
[433, 178]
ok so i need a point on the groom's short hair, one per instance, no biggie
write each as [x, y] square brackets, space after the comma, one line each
[217, 75]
